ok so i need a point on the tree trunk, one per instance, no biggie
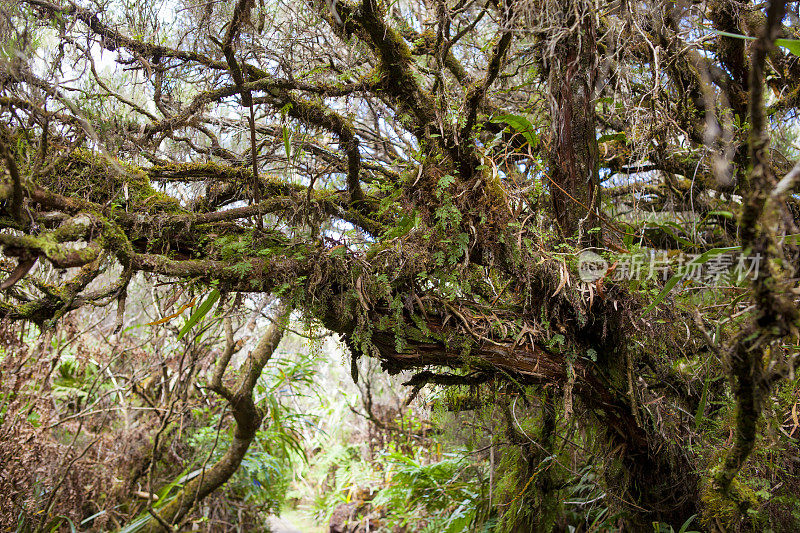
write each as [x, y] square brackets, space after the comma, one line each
[574, 178]
[248, 419]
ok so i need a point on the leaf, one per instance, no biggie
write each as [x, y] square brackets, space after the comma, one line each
[668, 229]
[141, 521]
[182, 478]
[95, 515]
[733, 35]
[792, 45]
[627, 240]
[792, 239]
[685, 527]
[403, 226]
[183, 308]
[706, 256]
[136, 525]
[591, 353]
[725, 214]
[55, 524]
[445, 181]
[338, 251]
[201, 311]
[287, 145]
[699, 260]
[521, 124]
[701, 407]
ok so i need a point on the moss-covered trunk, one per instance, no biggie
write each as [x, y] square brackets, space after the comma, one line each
[574, 178]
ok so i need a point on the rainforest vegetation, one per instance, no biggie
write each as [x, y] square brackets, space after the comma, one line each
[411, 265]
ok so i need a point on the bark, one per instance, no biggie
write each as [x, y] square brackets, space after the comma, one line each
[574, 178]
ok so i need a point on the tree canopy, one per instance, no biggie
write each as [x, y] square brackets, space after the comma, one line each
[422, 179]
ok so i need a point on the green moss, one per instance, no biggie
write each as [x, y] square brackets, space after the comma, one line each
[205, 169]
[90, 176]
[735, 511]
[47, 244]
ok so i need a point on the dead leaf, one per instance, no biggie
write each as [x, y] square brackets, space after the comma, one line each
[183, 308]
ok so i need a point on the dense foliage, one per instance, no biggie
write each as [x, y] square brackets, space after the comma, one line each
[426, 180]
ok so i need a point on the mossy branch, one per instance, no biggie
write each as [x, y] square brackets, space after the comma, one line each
[775, 315]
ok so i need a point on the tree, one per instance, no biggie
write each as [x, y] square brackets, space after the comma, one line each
[420, 178]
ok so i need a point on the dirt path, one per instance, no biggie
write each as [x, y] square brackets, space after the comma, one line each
[280, 525]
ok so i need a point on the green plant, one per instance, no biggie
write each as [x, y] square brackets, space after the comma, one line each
[447, 492]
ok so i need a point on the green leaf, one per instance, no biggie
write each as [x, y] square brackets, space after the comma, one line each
[685, 527]
[85, 521]
[201, 311]
[445, 181]
[521, 124]
[699, 260]
[182, 478]
[706, 256]
[136, 525]
[141, 521]
[667, 228]
[287, 145]
[725, 214]
[733, 35]
[792, 239]
[627, 240]
[792, 45]
[701, 407]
